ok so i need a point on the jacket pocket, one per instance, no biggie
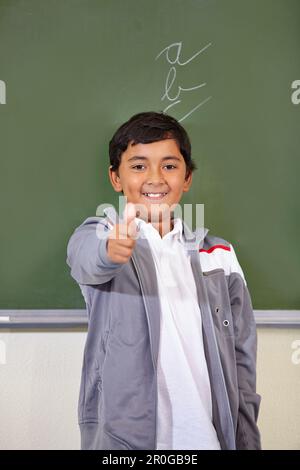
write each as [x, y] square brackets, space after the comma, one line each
[90, 394]
[112, 442]
[248, 435]
[95, 437]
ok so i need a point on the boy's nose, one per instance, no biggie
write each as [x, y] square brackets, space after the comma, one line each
[155, 177]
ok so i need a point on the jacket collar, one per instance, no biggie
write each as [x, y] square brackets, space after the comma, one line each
[192, 240]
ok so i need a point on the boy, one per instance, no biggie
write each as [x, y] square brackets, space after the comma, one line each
[170, 356]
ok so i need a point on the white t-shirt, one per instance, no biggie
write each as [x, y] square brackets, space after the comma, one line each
[184, 411]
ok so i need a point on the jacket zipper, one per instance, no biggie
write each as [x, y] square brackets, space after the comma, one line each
[222, 376]
[218, 355]
[151, 347]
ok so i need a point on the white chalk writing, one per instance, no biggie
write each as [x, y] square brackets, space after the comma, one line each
[174, 94]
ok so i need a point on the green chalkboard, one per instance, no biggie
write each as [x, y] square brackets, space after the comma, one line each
[73, 70]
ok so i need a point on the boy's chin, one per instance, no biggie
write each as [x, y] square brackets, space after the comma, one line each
[157, 215]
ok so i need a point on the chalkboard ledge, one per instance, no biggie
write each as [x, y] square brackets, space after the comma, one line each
[73, 318]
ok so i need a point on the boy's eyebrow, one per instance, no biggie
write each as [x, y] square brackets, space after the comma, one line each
[141, 157]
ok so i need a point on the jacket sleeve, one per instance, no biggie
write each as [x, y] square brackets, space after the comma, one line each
[87, 253]
[247, 434]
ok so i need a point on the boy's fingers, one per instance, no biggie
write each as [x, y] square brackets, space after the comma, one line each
[123, 251]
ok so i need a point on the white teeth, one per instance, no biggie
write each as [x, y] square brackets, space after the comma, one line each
[155, 195]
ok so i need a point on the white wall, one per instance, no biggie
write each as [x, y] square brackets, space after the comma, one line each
[40, 378]
[39, 389]
[279, 384]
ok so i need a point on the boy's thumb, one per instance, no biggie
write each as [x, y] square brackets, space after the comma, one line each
[129, 215]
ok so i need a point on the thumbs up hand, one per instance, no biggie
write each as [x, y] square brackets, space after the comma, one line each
[122, 239]
[128, 219]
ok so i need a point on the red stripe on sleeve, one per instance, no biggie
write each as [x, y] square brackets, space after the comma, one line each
[212, 248]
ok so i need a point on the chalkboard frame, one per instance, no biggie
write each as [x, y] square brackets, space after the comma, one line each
[78, 318]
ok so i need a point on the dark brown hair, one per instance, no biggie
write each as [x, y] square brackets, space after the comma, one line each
[147, 127]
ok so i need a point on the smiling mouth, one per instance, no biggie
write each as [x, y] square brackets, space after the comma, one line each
[154, 196]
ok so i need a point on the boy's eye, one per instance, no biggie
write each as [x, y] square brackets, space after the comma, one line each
[168, 166]
[140, 166]
[137, 167]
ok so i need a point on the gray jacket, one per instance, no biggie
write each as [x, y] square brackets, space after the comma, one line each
[118, 393]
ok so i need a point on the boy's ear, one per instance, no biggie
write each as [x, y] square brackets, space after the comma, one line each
[115, 179]
[187, 182]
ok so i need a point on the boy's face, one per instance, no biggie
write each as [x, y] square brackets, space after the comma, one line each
[152, 175]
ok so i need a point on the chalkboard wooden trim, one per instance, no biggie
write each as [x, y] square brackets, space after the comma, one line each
[70, 318]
